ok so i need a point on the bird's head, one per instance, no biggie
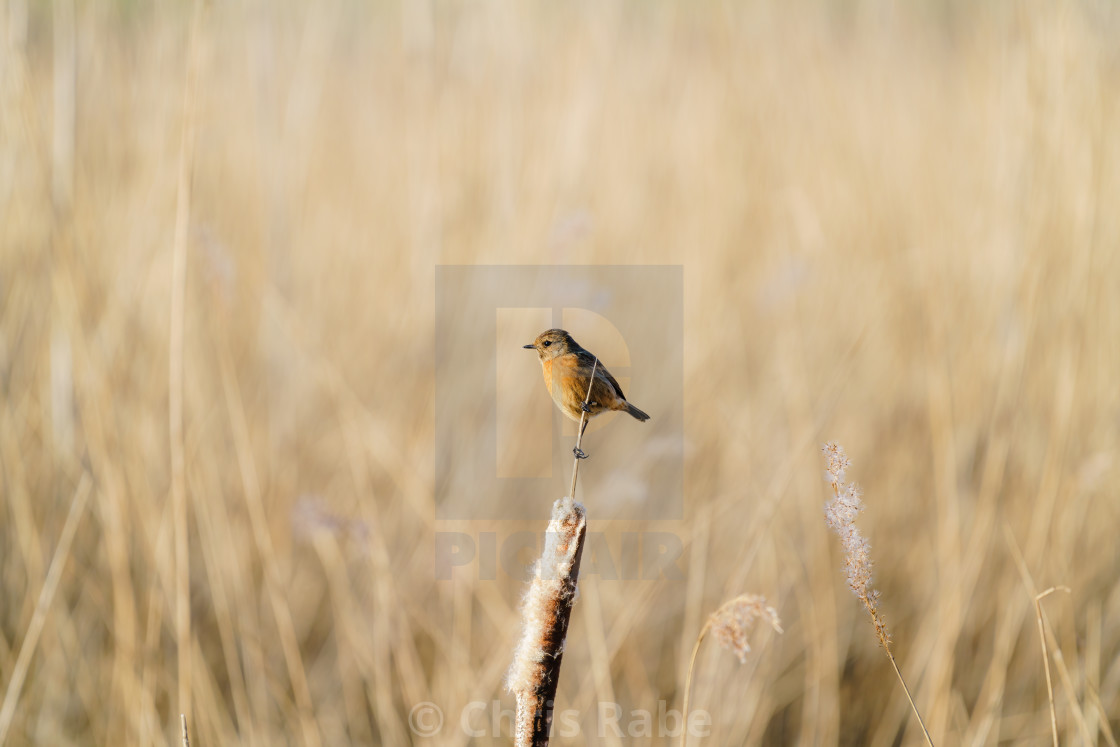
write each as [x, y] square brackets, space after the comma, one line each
[553, 343]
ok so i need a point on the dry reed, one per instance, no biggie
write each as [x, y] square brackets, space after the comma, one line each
[175, 366]
[1046, 656]
[545, 612]
[546, 609]
[840, 513]
[42, 606]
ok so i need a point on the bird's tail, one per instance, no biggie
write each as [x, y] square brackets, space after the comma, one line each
[636, 413]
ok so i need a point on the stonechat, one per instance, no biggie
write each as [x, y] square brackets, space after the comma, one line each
[568, 371]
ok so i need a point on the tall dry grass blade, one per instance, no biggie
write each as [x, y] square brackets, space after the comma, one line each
[64, 88]
[183, 727]
[840, 513]
[545, 613]
[1028, 581]
[1046, 656]
[175, 367]
[258, 521]
[46, 596]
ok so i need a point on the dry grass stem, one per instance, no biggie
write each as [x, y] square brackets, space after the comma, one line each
[545, 612]
[579, 434]
[1046, 656]
[841, 513]
[175, 372]
[183, 728]
[42, 606]
[731, 625]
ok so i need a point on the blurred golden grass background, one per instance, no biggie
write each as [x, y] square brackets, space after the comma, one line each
[898, 226]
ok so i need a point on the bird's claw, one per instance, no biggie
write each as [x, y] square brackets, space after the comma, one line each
[585, 407]
[580, 453]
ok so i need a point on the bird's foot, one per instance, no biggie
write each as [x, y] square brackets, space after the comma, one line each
[580, 453]
[586, 407]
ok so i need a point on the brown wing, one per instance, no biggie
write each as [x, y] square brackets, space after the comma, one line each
[587, 361]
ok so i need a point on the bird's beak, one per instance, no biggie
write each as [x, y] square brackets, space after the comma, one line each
[529, 347]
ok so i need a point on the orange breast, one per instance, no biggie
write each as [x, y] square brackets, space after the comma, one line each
[546, 367]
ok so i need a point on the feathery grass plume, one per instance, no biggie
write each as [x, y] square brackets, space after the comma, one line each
[840, 513]
[731, 625]
[545, 613]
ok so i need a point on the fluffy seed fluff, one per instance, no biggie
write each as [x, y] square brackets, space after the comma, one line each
[732, 623]
[547, 604]
[841, 513]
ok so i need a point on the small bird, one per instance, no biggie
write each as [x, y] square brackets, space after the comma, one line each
[568, 370]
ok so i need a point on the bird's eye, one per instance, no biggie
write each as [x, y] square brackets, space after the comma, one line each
[547, 343]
